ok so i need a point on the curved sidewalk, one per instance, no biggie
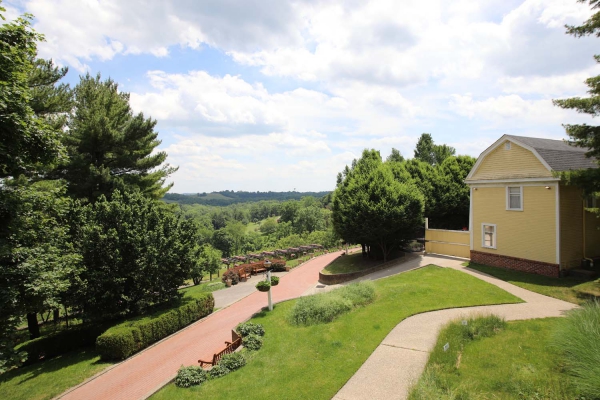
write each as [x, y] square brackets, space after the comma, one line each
[400, 359]
[144, 373]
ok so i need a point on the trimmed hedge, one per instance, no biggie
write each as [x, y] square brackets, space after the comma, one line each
[125, 339]
[62, 342]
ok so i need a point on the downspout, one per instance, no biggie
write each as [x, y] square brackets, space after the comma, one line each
[584, 257]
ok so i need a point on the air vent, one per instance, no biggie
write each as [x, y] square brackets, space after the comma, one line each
[507, 145]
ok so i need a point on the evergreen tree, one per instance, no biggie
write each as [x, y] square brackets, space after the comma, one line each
[395, 156]
[584, 135]
[109, 147]
[49, 99]
[427, 151]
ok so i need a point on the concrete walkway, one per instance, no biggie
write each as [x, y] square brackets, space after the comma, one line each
[400, 359]
[144, 373]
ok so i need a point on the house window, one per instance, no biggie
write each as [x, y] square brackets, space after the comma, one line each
[514, 198]
[488, 236]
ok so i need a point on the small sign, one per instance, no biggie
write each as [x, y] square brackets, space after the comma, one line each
[464, 322]
[446, 346]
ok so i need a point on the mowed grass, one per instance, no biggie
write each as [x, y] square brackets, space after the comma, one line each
[314, 362]
[516, 363]
[350, 263]
[50, 378]
[573, 290]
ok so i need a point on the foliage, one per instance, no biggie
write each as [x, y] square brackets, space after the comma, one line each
[37, 258]
[427, 151]
[109, 147]
[231, 275]
[584, 135]
[252, 342]
[27, 143]
[233, 361]
[325, 307]
[190, 376]
[210, 261]
[49, 99]
[269, 226]
[136, 252]
[49, 346]
[250, 328]
[263, 286]
[371, 207]
[218, 371]
[395, 156]
[274, 280]
[227, 197]
[578, 340]
[127, 338]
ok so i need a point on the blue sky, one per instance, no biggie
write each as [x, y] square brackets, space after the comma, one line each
[276, 95]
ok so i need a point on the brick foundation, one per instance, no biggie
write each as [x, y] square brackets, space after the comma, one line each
[518, 264]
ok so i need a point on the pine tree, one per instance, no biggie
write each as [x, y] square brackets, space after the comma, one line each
[109, 147]
[584, 135]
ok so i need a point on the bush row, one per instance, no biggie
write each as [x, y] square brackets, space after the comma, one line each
[323, 308]
[61, 342]
[123, 340]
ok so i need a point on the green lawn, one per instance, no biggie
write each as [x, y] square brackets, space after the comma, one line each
[47, 379]
[350, 263]
[314, 362]
[50, 378]
[573, 290]
[516, 363]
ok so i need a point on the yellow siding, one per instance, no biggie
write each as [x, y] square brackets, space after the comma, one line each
[571, 227]
[592, 235]
[517, 162]
[447, 236]
[448, 249]
[529, 234]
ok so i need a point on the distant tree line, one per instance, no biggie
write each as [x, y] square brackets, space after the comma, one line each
[227, 197]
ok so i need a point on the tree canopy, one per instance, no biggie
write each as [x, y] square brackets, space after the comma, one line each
[585, 135]
[109, 147]
[427, 151]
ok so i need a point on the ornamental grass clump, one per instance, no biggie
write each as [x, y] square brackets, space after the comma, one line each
[323, 308]
[578, 340]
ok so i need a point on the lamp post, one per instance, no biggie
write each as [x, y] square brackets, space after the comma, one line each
[268, 265]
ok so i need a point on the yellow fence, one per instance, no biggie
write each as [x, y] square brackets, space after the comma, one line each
[450, 243]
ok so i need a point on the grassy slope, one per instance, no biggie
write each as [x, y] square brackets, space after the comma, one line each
[314, 362]
[50, 378]
[516, 363]
[350, 263]
[569, 289]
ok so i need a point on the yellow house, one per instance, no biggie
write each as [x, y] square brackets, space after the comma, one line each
[524, 218]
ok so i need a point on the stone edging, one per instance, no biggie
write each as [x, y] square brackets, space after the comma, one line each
[334, 279]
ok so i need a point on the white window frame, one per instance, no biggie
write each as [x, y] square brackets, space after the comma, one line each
[508, 198]
[494, 238]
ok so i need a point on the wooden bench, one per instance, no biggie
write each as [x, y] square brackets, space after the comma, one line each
[256, 270]
[230, 347]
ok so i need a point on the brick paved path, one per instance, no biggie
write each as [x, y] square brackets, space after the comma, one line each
[141, 375]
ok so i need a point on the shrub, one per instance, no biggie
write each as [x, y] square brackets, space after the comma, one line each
[250, 328]
[190, 376]
[231, 275]
[323, 308]
[274, 280]
[263, 286]
[233, 361]
[578, 339]
[61, 342]
[278, 265]
[252, 342]
[127, 338]
[218, 371]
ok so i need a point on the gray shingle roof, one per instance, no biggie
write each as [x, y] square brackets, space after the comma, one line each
[560, 155]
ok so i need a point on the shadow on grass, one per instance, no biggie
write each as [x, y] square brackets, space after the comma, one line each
[52, 365]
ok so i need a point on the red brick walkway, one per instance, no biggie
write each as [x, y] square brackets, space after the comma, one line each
[141, 375]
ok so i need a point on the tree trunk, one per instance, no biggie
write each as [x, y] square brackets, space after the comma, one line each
[32, 325]
[364, 250]
[56, 316]
[210, 276]
[66, 317]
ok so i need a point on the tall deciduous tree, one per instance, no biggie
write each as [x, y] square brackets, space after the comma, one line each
[109, 147]
[371, 207]
[137, 252]
[395, 156]
[585, 135]
[26, 142]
